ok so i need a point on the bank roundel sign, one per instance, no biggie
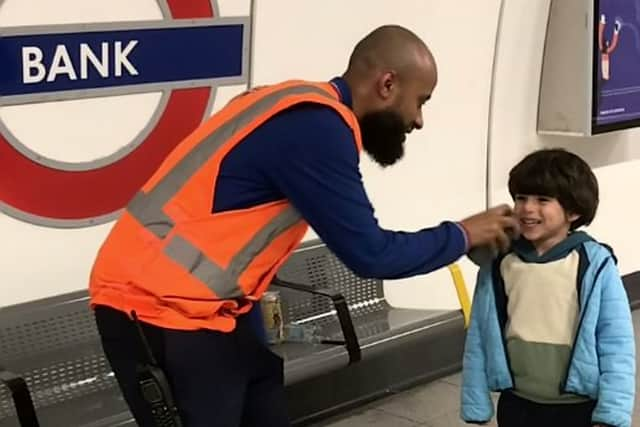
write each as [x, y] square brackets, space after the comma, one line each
[185, 56]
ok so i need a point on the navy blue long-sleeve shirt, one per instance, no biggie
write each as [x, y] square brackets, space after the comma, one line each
[307, 154]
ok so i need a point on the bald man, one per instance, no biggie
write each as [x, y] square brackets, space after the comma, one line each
[196, 249]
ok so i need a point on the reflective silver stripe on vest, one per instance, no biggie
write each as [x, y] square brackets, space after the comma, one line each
[190, 257]
[225, 282]
[142, 208]
[147, 208]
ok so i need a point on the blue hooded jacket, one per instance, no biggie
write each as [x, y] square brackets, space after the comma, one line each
[602, 366]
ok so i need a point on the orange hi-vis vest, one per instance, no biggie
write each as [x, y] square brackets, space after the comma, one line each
[177, 264]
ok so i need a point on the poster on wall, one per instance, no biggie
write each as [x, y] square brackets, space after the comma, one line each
[616, 83]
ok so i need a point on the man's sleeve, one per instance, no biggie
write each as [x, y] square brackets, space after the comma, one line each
[317, 169]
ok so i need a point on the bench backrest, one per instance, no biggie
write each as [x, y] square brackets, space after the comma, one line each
[53, 343]
[45, 325]
[315, 265]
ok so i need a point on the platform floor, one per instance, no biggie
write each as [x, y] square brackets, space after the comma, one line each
[431, 405]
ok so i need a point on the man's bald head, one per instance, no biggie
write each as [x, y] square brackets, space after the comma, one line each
[391, 73]
[389, 47]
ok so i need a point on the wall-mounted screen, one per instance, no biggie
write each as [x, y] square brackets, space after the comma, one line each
[616, 65]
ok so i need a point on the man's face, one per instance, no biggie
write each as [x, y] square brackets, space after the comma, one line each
[384, 129]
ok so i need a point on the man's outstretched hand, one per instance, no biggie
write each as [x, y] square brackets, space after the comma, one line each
[493, 229]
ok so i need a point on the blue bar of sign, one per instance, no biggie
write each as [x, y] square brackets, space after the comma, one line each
[160, 55]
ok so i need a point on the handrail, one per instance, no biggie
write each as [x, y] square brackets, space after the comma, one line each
[461, 291]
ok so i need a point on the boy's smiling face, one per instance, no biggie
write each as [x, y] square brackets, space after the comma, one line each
[543, 220]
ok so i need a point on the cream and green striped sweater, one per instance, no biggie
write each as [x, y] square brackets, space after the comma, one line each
[542, 318]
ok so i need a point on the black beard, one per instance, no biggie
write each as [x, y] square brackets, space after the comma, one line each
[383, 136]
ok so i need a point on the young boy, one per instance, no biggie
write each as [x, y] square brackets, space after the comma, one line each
[551, 327]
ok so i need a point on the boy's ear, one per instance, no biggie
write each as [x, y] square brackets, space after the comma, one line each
[571, 217]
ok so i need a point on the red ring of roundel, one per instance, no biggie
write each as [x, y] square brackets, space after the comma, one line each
[76, 195]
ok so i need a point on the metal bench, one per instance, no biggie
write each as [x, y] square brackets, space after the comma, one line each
[53, 344]
[377, 324]
[398, 347]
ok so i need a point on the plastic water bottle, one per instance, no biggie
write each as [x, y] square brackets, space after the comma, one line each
[302, 333]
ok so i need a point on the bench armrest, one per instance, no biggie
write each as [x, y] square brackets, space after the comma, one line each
[342, 310]
[21, 398]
